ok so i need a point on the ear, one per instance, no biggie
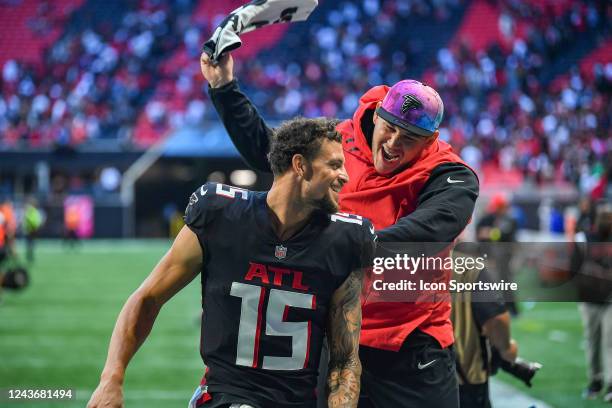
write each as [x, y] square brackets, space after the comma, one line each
[299, 165]
[432, 138]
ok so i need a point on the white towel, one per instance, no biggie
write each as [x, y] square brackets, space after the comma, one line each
[256, 14]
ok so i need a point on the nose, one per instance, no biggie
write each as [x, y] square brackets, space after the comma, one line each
[395, 140]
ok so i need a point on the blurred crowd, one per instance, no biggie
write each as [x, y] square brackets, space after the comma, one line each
[92, 83]
[502, 104]
[356, 46]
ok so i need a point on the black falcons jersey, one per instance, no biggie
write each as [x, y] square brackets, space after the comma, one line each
[265, 301]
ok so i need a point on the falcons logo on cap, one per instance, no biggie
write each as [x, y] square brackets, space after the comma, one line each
[411, 102]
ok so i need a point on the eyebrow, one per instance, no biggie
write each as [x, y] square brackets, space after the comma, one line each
[410, 135]
[402, 132]
[335, 161]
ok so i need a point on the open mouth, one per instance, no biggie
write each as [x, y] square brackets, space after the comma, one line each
[336, 188]
[389, 157]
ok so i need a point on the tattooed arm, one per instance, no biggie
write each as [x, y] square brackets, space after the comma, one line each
[343, 327]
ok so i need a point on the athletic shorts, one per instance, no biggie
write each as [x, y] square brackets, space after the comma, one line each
[421, 374]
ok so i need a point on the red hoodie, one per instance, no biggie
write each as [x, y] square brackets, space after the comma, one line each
[384, 200]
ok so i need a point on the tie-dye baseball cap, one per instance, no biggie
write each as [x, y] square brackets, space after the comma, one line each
[413, 106]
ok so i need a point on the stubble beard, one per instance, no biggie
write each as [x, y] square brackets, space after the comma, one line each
[325, 204]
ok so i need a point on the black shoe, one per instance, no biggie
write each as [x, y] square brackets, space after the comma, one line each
[593, 390]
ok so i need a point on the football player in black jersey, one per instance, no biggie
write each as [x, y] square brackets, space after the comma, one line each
[279, 269]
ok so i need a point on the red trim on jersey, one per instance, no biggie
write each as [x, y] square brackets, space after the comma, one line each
[262, 296]
[203, 399]
[203, 380]
[314, 306]
[285, 313]
[205, 396]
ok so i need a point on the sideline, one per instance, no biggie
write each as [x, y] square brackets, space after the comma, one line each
[506, 396]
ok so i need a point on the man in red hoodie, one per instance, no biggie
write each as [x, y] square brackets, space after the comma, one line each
[413, 188]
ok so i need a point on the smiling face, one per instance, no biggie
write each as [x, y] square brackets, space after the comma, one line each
[325, 178]
[393, 148]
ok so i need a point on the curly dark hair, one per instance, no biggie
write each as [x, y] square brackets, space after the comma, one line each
[300, 136]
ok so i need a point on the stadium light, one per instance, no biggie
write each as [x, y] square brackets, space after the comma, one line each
[243, 177]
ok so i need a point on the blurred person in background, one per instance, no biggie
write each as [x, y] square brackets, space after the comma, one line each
[498, 226]
[586, 215]
[33, 220]
[579, 218]
[481, 322]
[10, 224]
[7, 235]
[176, 223]
[413, 188]
[4, 247]
[72, 219]
[174, 219]
[593, 264]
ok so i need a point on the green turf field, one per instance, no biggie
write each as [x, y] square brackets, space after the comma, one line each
[55, 334]
[551, 333]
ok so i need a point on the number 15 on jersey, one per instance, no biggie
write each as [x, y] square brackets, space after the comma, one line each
[250, 328]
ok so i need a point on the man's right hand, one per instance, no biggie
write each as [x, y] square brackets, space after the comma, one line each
[511, 353]
[109, 394]
[219, 74]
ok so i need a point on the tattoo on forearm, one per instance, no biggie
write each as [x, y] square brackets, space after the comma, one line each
[343, 327]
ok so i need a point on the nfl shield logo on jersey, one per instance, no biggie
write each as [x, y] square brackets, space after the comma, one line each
[280, 252]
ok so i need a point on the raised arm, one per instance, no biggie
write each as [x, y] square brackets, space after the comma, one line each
[243, 123]
[173, 272]
[344, 325]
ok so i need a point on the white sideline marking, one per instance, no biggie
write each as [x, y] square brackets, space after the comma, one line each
[506, 396]
[558, 336]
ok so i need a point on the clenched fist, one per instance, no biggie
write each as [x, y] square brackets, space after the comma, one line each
[219, 74]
